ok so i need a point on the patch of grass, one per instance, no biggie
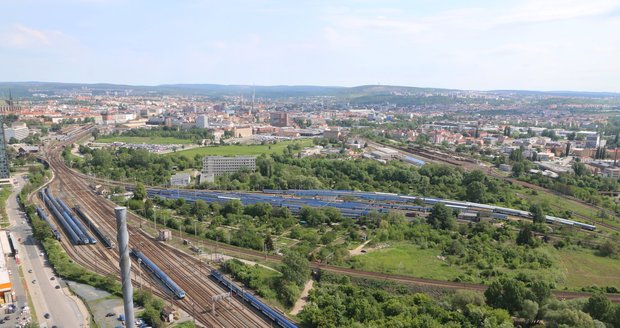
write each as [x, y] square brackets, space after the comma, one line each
[232, 150]
[407, 259]
[4, 196]
[147, 140]
[262, 280]
[583, 268]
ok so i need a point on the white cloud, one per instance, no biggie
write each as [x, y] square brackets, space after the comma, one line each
[20, 36]
[533, 11]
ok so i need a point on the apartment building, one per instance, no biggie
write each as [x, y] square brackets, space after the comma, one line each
[213, 166]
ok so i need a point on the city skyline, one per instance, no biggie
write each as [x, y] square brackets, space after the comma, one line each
[527, 45]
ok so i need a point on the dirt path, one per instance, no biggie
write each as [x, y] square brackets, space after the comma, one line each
[303, 298]
[248, 262]
[358, 250]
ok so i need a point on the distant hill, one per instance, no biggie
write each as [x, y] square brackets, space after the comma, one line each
[576, 94]
[364, 94]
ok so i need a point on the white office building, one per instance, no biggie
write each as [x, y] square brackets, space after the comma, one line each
[18, 131]
[213, 166]
[202, 121]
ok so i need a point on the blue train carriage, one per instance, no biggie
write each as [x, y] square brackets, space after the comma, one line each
[107, 242]
[279, 319]
[88, 239]
[44, 217]
[73, 236]
[167, 281]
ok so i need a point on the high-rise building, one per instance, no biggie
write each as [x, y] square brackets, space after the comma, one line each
[202, 121]
[213, 166]
[280, 119]
[4, 158]
[6, 107]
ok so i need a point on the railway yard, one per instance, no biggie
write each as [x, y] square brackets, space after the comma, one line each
[191, 274]
[187, 271]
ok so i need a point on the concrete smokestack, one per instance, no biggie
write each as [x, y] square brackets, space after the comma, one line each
[125, 263]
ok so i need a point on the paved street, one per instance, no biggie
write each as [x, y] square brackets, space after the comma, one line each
[64, 310]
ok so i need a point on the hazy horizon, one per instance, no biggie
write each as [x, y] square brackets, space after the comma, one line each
[556, 45]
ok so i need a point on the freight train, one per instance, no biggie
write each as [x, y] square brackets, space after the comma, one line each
[272, 314]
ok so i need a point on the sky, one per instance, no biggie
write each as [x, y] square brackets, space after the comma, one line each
[474, 44]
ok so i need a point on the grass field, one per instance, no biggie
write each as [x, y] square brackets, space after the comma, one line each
[232, 150]
[584, 268]
[146, 140]
[408, 260]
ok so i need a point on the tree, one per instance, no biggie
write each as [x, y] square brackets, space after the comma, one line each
[599, 307]
[525, 236]
[268, 243]
[140, 191]
[476, 192]
[559, 315]
[295, 268]
[538, 214]
[507, 294]
[541, 291]
[529, 311]
[148, 208]
[608, 248]
[441, 217]
[516, 155]
[288, 292]
[579, 169]
[232, 206]
[615, 316]
[517, 169]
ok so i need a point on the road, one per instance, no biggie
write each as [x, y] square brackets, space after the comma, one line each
[64, 309]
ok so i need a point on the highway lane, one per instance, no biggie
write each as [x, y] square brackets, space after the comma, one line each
[64, 309]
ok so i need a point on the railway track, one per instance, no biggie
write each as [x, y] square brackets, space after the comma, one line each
[178, 265]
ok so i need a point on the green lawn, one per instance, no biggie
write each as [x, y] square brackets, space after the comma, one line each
[5, 192]
[408, 260]
[583, 268]
[232, 150]
[146, 140]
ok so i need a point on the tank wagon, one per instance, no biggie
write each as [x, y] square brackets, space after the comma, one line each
[178, 292]
[107, 242]
[272, 314]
